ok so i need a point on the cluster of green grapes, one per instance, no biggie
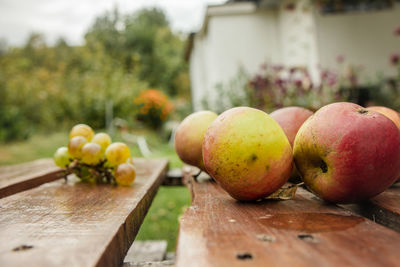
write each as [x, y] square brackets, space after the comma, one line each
[93, 158]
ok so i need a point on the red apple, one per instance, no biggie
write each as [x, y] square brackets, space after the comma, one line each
[247, 153]
[346, 153]
[290, 119]
[189, 137]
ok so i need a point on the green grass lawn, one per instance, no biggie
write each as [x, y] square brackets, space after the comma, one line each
[39, 146]
[161, 221]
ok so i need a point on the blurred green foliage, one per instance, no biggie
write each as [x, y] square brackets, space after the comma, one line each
[51, 87]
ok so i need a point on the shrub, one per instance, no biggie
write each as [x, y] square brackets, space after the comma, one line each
[276, 86]
[154, 107]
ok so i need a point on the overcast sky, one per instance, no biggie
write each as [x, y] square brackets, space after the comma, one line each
[71, 18]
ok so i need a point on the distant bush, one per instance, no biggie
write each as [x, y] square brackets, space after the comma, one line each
[276, 86]
[12, 124]
[153, 107]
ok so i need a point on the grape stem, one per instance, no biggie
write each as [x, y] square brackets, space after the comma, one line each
[99, 174]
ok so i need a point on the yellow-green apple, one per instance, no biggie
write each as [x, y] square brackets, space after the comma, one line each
[346, 153]
[290, 119]
[247, 153]
[189, 137]
[388, 112]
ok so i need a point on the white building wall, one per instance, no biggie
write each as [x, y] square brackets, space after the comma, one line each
[232, 41]
[297, 37]
[364, 39]
[198, 73]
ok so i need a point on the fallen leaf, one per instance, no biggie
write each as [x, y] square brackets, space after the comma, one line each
[284, 193]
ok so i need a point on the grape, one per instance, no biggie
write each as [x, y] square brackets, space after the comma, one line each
[102, 139]
[75, 146]
[92, 153]
[125, 174]
[81, 130]
[130, 160]
[62, 157]
[117, 153]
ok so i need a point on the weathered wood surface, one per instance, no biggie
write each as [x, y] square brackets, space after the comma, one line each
[216, 230]
[21, 177]
[383, 209]
[76, 224]
[146, 251]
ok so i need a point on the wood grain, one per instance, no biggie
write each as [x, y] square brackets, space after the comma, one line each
[146, 251]
[21, 177]
[383, 209]
[217, 230]
[76, 224]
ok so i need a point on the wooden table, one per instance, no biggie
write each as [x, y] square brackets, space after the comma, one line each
[45, 221]
[217, 230]
[55, 223]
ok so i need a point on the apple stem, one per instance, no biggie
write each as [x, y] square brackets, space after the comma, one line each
[197, 174]
[362, 111]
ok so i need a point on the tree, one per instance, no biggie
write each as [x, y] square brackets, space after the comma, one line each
[42, 86]
[143, 43]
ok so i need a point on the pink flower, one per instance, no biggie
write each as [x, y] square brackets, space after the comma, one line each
[340, 58]
[279, 82]
[290, 6]
[264, 66]
[298, 83]
[396, 31]
[395, 59]
[324, 75]
[277, 68]
[332, 81]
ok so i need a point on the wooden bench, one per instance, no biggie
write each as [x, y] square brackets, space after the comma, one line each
[47, 222]
[59, 223]
[216, 230]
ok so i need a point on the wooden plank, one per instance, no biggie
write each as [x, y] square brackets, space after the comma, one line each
[21, 177]
[76, 224]
[150, 264]
[7, 172]
[216, 230]
[383, 209]
[146, 251]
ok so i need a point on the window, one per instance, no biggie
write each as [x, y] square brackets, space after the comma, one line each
[345, 6]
